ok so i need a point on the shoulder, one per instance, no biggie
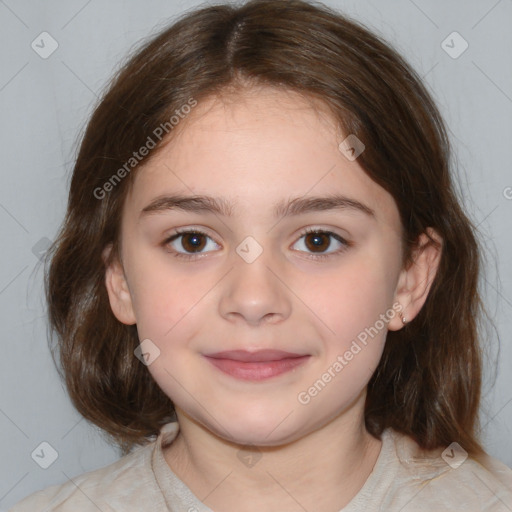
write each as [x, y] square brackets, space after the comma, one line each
[127, 483]
[448, 479]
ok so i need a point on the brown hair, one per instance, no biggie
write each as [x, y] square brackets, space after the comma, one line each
[428, 382]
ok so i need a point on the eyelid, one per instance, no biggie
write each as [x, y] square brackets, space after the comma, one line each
[193, 229]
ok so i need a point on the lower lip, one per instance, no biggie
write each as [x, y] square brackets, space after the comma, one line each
[253, 370]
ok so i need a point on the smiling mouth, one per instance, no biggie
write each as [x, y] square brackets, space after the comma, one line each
[256, 366]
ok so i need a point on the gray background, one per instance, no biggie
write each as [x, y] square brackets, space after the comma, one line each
[45, 104]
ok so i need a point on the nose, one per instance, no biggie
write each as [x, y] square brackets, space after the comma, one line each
[254, 293]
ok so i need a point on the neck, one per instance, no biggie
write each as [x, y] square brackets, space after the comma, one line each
[322, 470]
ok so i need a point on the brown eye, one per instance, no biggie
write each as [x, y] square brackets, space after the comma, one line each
[189, 243]
[317, 241]
[322, 244]
[193, 242]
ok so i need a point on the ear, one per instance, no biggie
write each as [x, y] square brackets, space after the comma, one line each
[117, 287]
[416, 279]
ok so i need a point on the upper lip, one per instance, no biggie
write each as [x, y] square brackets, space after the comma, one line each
[257, 356]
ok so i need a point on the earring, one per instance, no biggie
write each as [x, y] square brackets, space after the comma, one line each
[404, 320]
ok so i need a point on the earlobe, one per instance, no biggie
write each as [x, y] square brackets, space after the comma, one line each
[117, 288]
[416, 280]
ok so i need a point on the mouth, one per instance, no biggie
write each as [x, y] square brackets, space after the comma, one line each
[256, 366]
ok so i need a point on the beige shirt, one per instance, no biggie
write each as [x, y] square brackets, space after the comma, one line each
[402, 480]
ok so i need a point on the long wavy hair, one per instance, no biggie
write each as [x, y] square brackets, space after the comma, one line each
[428, 382]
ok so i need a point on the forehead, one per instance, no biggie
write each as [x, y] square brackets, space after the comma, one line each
[257, 148]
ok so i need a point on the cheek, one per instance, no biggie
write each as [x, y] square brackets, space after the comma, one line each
[162, 295]
[169, 312]
[356, 305]
[354, 297]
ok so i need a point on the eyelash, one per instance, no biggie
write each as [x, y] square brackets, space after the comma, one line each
[193, 256]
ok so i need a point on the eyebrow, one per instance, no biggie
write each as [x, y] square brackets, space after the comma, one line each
[219, 206]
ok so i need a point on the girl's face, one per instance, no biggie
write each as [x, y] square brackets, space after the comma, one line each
[250, 278]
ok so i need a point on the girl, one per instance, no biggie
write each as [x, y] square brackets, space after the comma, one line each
[265, 290]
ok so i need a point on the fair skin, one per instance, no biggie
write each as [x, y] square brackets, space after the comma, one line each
[255, 151]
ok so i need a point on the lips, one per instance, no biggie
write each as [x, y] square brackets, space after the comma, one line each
[258, 356]
[256, 366]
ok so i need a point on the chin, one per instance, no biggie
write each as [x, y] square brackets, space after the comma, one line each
[263, 429]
